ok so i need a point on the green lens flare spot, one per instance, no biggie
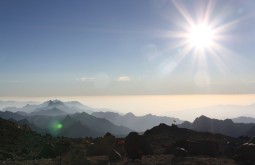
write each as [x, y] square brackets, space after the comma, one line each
[55, 128]
[59, 126]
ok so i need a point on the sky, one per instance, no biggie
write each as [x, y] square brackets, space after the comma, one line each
[126, 47]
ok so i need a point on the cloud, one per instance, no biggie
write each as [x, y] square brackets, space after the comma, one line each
[123, 78]
[85, 79]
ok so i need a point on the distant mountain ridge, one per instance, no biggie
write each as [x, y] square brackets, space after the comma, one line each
[61, 108]
[49, 112]
[138, 123]
[46, 114]
[225, 127]
[244, 119]
[217, 112]
[75, 125]
[4, 104]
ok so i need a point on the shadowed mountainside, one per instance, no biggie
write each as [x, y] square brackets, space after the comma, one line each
[137, 123]
[18, 141]
[226, 127]
[76, 125]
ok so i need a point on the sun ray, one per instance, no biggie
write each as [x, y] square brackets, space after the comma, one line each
[184, 13]
[209, 10]
[201, 39]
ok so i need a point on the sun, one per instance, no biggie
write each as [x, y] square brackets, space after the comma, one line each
[201, 36]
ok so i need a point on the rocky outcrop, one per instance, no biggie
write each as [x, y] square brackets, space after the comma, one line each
[246, 152]
[137, 145]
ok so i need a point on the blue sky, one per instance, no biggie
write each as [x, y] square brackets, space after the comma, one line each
[122, 47]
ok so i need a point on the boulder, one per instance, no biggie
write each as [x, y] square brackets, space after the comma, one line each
[246, 152]
[200, 147]
[137, 145]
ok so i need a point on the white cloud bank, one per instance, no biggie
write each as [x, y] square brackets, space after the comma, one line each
[123, 79]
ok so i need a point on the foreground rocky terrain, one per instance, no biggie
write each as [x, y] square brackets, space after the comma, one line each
[162, 144]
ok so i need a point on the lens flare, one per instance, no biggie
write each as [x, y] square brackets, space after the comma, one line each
[59, 126]
[55, 127]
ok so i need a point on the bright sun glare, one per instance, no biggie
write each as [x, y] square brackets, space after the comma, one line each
[200, 36]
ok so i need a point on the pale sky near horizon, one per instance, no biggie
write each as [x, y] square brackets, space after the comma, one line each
[126, 47]
[163, 105]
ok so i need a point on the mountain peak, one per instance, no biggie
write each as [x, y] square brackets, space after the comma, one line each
[129, 114]
[228, 121]
[55, 103]
[52, 111]
[202, 118]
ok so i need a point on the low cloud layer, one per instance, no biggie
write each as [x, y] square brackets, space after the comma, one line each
[123, 78]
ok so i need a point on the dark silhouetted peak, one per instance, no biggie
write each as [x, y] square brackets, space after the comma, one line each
[186, 124]
[163, 125]
[68, 118]
[130, 115]
[202, 118]
[228, 121]
[108, 135]
[13, 126]
[226, 127]
[161, 128]
[84, 114]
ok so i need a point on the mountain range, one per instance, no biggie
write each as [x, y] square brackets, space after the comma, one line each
[244, 119]
[4, 104]
[76, 125]
[217, 112]
[225, 127]
[61, 108]
[73, 119]
[59, 118]
[137, 123]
